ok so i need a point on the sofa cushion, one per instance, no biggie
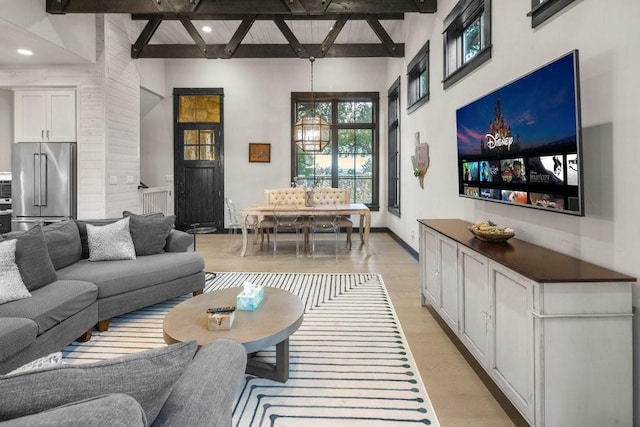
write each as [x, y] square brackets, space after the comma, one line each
[51, 304]
[16, 333]
[117, 277]
[63, 243]
[112, 410]
[11, 285]
[110, 242]
[32, 257]
[146, 376]
[82, 229]
[149, 233]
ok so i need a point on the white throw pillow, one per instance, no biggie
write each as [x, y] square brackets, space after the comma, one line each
[49, 361]
[11, 285]
[110, 242]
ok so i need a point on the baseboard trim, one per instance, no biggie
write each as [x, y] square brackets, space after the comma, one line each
[404, 244]
[508, 407]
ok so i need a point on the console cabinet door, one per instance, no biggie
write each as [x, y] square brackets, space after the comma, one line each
[475, 310]
[512, 364]
[448, 268]
[429, 266]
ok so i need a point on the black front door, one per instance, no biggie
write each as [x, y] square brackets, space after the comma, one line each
[198, 159]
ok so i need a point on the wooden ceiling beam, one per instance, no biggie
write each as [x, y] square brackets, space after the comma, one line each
[295, 44]
[332, 35]
[247, 7]
[382, 34]
[195, 35]
[238, 36]
[143, 39]
[217, 51]
[267, 17]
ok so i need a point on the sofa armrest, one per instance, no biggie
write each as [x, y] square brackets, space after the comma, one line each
[106, 410]
[204, 394]
[179, 241]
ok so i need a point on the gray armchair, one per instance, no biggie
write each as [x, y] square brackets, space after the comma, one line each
[167, 386]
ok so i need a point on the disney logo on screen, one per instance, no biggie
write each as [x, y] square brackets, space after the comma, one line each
[494, 141]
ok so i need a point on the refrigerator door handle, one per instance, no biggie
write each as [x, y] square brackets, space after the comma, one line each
[44, 190]
[36, 179]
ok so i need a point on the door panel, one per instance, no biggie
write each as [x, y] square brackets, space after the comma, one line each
[198, 148]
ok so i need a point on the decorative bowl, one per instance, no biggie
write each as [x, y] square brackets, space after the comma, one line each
[492, 234]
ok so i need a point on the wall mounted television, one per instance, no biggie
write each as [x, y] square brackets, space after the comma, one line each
[520, 144]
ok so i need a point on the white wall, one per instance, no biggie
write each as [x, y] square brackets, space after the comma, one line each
[257, 108]
[608, 235]
[6, 129]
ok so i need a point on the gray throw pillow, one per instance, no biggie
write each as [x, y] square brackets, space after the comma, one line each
[149, 233]
[11, 285]
[32, 257]
[63, 243]
[110, 242]
[148, 377]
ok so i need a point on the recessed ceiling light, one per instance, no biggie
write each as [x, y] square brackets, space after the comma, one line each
[25, 52]
[206, 29]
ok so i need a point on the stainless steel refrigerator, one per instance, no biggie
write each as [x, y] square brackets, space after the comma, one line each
[43, 183]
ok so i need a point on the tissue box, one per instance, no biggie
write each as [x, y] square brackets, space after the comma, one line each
[220, 321]
[250, 302]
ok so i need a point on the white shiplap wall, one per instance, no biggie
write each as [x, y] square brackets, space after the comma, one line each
[122, 104]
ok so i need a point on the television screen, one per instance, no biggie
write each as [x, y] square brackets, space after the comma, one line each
[520, 144]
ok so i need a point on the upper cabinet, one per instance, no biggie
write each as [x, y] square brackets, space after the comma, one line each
[45, 115]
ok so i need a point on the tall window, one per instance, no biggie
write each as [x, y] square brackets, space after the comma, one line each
[467, 39]
[393, 202]
[351, 159]
[541, 10]
[418, 79]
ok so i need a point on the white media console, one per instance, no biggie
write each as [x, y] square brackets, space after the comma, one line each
[553, 332]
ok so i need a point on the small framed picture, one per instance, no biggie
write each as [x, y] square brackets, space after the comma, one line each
[259, 152]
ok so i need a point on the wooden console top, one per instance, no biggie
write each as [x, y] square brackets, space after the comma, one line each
[532, 261]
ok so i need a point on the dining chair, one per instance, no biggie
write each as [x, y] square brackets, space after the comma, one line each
[324, 224]
[234, 224]
[287, 218]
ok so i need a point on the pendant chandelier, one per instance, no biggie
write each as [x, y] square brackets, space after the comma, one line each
[312, 133]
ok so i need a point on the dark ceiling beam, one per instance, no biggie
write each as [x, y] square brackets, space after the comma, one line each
[195, 35]
[295, 44]
[143, 39]
[181, 51]
[332, 35]
[382, 34]
[238, 36]
[266, 17]
[247, 7]
[295, 6]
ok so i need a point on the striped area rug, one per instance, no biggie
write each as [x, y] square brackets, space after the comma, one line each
[350, 364]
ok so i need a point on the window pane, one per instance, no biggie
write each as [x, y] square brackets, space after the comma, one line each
[190, 137]
[199, 109]
[346, 140]
[191, 152]
[364, 141]
[364, 190]
[355, 112]
[472, 39]
[346, 165]
[306, 109]
[364, 166]
[350, 184]
[206, 137]
[323, 166]
[423, 84]
[207, 152]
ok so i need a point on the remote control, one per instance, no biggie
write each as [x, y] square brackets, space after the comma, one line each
[227, 309]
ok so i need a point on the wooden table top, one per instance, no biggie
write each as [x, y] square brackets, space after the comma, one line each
[532, 261]
[279, 315]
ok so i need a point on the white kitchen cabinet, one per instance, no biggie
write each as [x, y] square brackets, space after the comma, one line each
[45, 115]
[553, 332]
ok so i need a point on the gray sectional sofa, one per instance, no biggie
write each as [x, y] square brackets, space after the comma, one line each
[71, 294]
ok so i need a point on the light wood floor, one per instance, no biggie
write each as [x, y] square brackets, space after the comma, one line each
[459, 396]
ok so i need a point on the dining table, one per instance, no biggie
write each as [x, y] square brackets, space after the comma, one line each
[254, 213]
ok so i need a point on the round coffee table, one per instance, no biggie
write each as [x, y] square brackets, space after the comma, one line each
[272, 323]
